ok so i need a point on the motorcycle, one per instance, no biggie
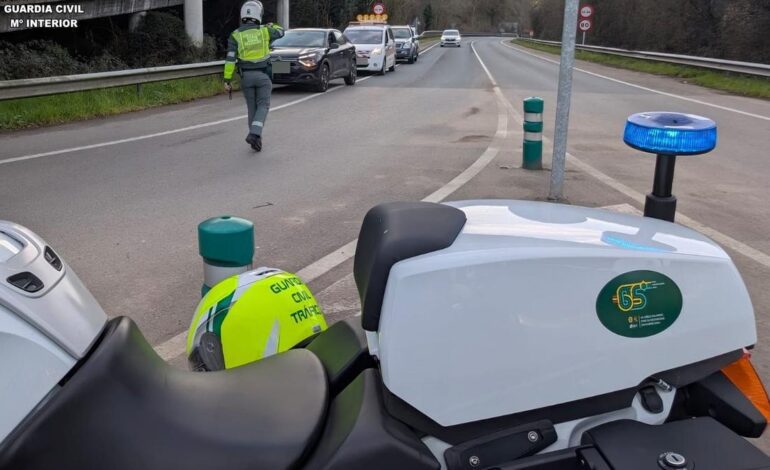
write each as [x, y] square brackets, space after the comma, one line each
[494, 334]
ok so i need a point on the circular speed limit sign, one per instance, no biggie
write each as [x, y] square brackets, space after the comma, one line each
[585, 24]
[586, 11]
[378, 8]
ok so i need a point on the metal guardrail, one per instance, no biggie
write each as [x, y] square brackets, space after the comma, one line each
[748, 68]
[29, 87]
[434, 33]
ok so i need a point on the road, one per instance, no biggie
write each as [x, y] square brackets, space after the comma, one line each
[124, 214]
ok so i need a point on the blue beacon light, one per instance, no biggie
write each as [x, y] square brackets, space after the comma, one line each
[668, 135]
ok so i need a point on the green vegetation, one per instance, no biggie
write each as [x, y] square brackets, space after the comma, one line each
[159, 40]
[739, 84]
[722, 29]
[56, 109]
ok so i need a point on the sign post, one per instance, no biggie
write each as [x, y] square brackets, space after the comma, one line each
[564, 96]
[586, 13]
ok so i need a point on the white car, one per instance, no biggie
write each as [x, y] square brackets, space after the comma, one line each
[375, 47]
[451, 37]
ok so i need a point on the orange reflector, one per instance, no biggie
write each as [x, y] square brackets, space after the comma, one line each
[742, 374]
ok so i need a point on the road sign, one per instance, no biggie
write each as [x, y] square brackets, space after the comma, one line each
[378, 8]
[585, 25]
[586, 11]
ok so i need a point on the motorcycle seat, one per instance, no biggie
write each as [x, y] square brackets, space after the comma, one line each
[126, 408]
[396, 231]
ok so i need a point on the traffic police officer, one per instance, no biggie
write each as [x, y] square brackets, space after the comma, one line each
[248, 49]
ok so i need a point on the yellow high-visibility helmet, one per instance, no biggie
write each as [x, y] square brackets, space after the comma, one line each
[251, 316]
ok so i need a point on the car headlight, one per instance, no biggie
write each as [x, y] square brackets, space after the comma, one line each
[310, 60]
[376, 51]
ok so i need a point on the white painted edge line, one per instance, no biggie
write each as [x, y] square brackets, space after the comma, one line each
[652, 90]
[719, 237]
[175, 346]
[173, 131]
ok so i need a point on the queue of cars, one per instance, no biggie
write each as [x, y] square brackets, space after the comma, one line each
[316, 56]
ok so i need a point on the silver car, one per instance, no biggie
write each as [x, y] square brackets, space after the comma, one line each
[451, 37]
[375, 47]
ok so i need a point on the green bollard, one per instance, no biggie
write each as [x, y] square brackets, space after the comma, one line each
[533, 134]
[227, 247]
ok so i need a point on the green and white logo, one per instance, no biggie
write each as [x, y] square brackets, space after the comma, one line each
[639, 304]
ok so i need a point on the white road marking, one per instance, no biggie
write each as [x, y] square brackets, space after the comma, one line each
[157, 134]
[652, 90]
[719, 237]
[725, 240]
[175, 346]
[172, 131]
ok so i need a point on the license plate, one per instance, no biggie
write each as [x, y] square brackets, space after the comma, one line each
[281, 67]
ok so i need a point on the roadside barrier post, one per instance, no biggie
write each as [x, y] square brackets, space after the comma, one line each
[227, 247]
[533, 134]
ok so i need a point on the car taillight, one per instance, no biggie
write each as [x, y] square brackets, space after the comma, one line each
[743, 375]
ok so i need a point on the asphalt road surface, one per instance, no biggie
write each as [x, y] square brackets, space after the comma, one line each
[120, 198]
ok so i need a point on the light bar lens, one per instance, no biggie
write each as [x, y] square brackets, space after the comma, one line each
[670, 133]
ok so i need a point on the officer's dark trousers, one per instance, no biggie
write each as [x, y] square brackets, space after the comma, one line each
[256, 86]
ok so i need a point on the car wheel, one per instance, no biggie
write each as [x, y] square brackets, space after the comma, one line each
[323, 81]
[384, 69]
[412, 58]
[350, 78]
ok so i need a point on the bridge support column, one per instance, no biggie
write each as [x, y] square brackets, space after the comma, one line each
[135, 20]
[193, 20]
[283, 13]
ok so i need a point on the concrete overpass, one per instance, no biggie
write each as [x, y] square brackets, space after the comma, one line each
[193, 12]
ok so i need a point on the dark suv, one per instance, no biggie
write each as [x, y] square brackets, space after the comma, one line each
[407, 44]
[313, 57]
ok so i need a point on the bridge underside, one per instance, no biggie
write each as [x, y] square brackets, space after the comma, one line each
[91, 9]
[103, 8]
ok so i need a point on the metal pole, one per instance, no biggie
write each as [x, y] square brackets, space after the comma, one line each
[584, 38]
[563, 99]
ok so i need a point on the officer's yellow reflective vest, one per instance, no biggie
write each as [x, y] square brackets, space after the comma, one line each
[249, 44]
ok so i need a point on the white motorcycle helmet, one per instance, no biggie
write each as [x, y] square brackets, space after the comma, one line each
[252, 10]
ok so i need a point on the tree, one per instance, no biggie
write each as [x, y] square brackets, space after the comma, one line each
[427, 16]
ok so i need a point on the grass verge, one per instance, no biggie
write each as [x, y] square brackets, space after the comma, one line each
[746, 85]
[67, 107]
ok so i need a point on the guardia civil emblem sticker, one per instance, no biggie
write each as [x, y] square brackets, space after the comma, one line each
[639, 304]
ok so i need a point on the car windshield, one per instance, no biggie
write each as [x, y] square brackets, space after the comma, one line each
[401, 33]
[301, 39]
[364, 36]
[451, 32]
